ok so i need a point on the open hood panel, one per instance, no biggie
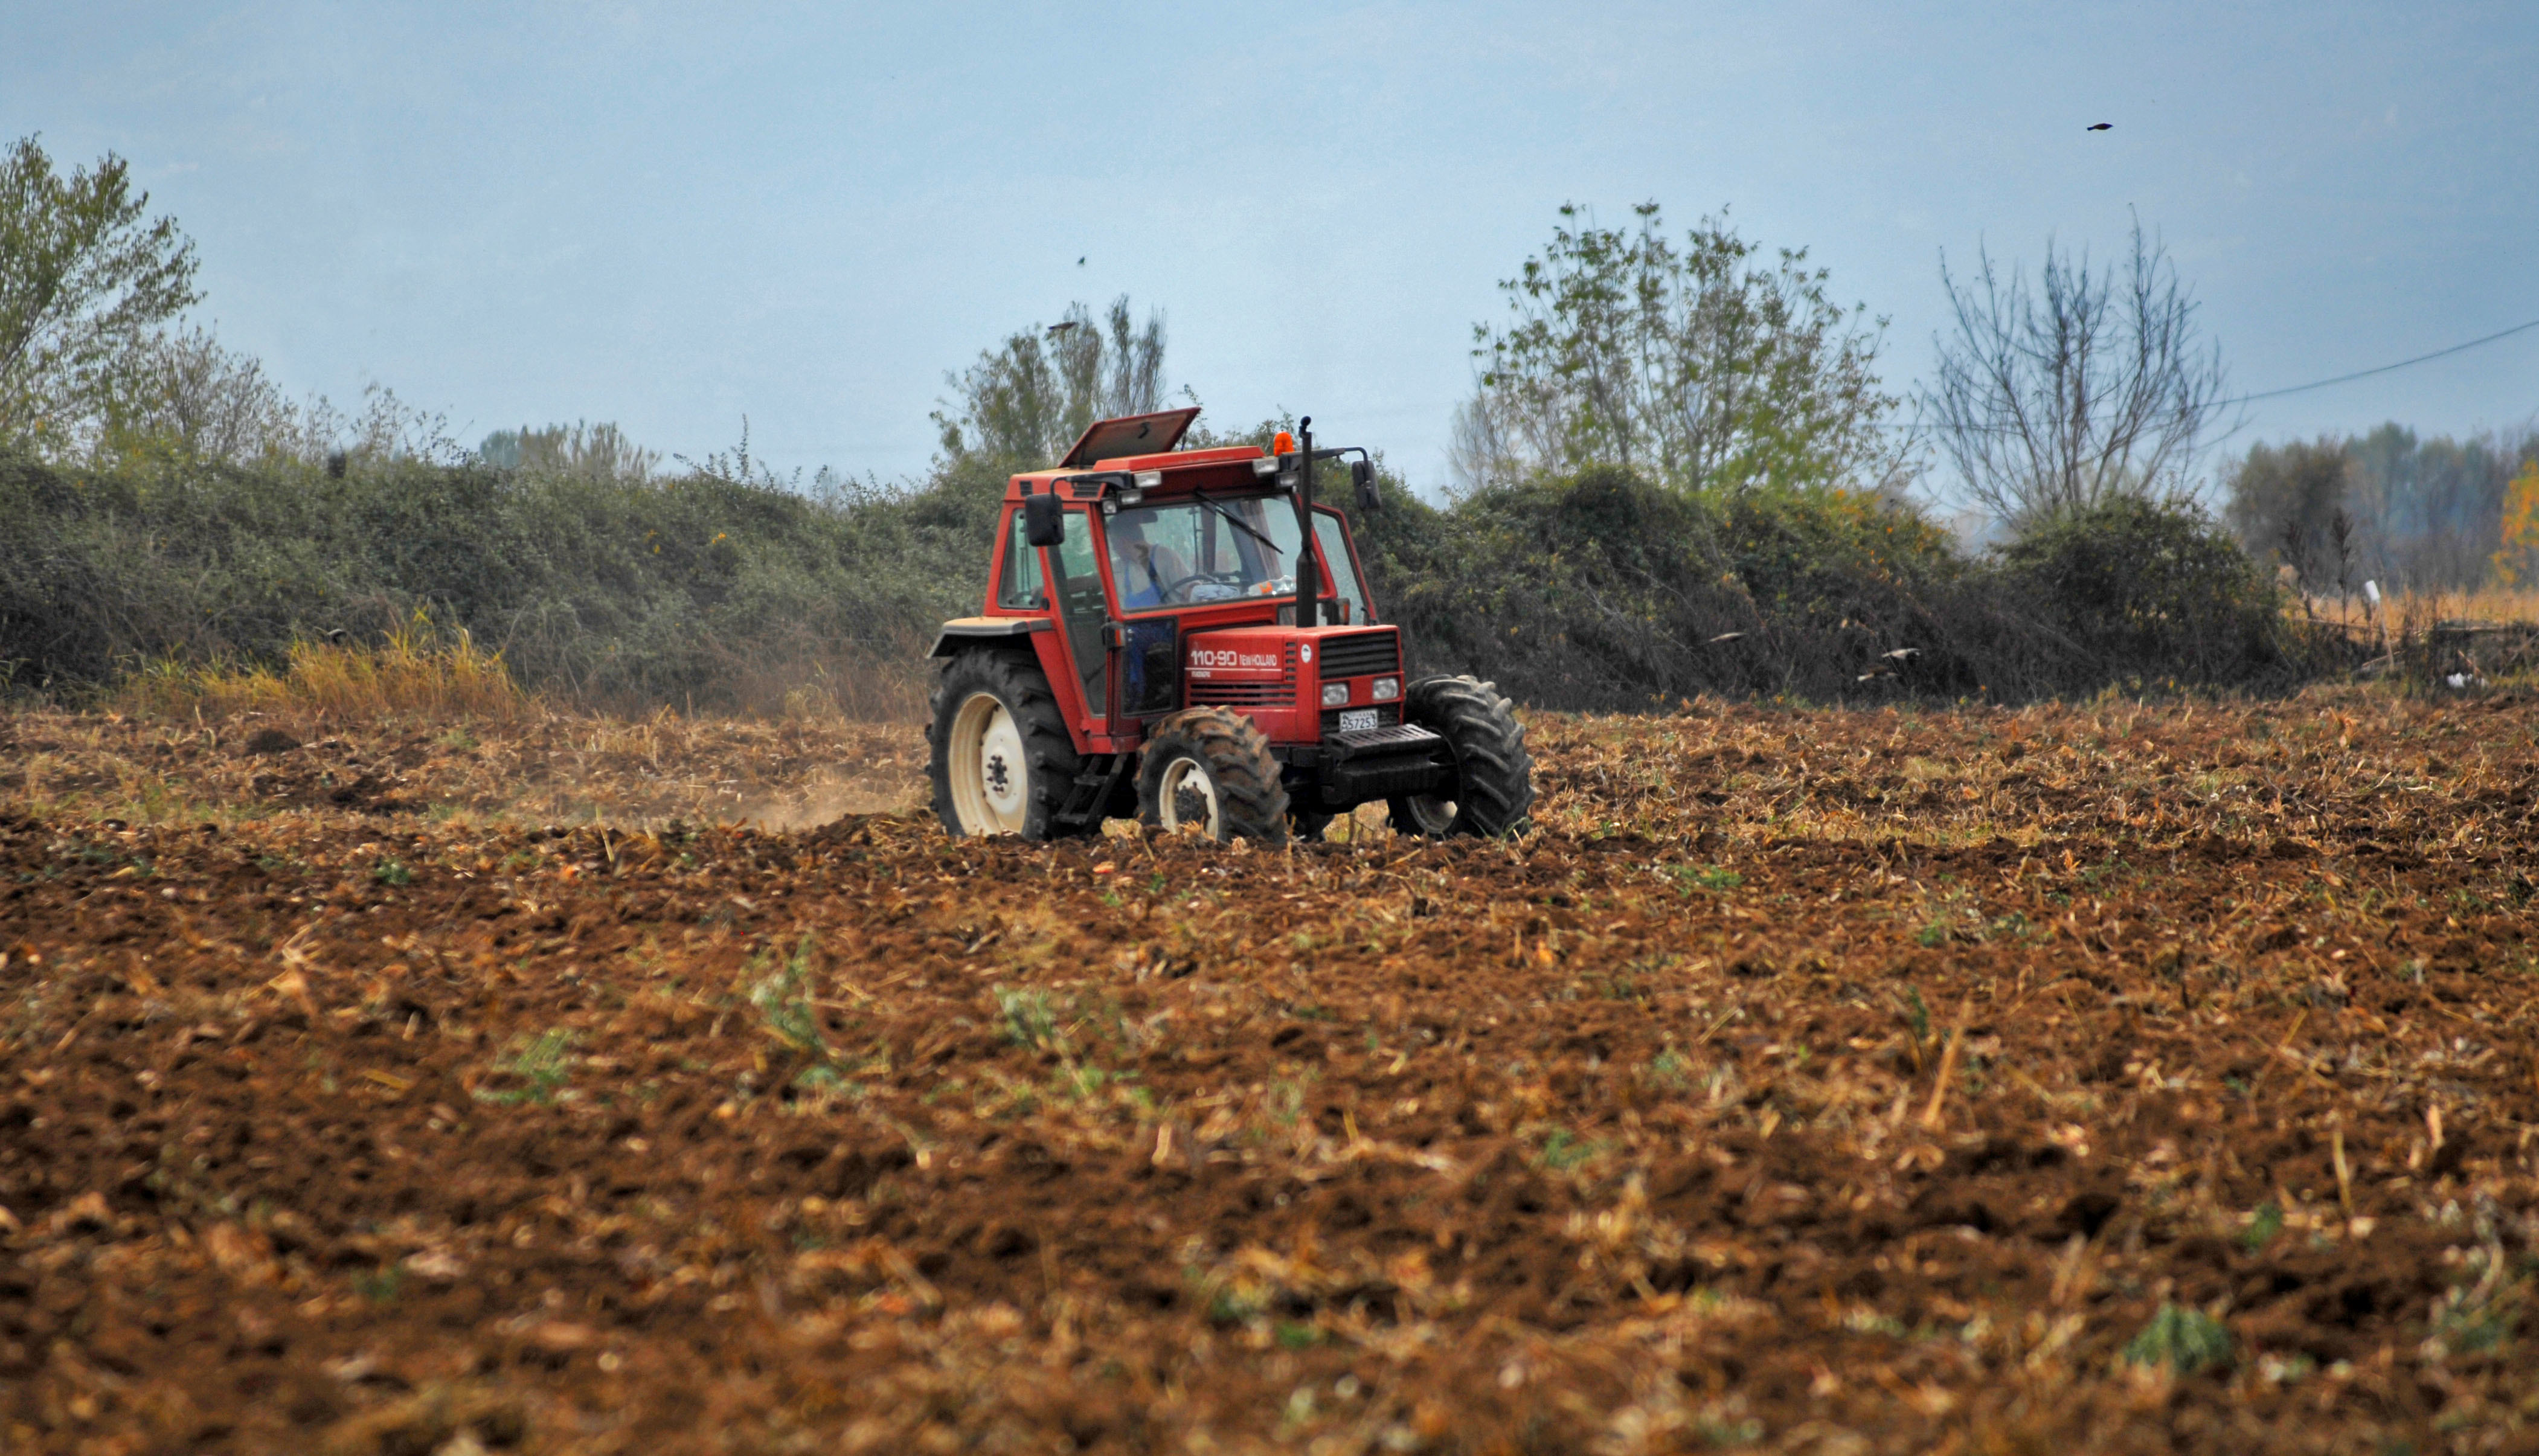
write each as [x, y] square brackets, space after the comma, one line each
[1129, 435]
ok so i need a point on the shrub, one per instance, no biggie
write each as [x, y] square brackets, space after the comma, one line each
[1602, 590]
[2145, 590]
[708, 590]
[726, 588]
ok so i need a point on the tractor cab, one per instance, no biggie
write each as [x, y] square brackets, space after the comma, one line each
[1148, 594]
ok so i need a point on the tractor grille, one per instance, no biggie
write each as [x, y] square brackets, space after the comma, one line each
[1387, 714]
[1242, 694]
[1361, 655]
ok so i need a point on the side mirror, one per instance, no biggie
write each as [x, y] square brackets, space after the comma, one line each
[1362, 475]
[1043, 523]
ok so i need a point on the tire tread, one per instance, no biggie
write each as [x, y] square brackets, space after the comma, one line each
[1015, 677]
[1251, 799]
[1494, 772]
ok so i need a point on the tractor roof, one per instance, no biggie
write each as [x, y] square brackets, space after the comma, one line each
[1145, 443]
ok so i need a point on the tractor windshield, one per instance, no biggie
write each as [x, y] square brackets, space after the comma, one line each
[1202, 550]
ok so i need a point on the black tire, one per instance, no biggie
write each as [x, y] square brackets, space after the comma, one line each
[1203, 756]
[1494, 773]
[1041, 763]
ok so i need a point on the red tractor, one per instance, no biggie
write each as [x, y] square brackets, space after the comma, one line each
[1160, 640]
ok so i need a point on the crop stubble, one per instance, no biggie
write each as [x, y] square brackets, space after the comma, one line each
[2124, 1079]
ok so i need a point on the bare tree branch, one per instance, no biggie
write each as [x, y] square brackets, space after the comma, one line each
[2054, 400]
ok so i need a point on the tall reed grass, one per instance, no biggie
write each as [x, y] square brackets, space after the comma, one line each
[418, 671]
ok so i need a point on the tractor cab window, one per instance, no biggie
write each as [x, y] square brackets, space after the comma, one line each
[1190, 551]
[1021, 585]
[1333, 539]
[1080, 607]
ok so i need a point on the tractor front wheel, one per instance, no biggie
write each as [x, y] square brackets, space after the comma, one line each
[1493, 787]
[1002, 760]
[1210, 769]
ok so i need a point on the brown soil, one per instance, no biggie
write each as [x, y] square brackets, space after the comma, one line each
[2122, 1079]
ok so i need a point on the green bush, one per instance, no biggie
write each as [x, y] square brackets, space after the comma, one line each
[705, 588]
[1602, 590]
[726, 590]
[2145, 591]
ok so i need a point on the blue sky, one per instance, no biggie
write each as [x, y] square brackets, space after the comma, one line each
[673, 217]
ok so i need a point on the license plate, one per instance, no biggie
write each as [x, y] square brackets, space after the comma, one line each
[1356, 720]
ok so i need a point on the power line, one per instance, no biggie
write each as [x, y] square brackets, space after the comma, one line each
[2315, 384]
[2386, 368]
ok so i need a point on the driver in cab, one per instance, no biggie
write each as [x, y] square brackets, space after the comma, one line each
[1144, 571]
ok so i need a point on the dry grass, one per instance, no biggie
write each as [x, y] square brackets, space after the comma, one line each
[419, 671]
[2489, 604]
[2438, 641]
[541, 765]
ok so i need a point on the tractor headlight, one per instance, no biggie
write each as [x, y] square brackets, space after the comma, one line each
[1387, 689]
[1335, 695]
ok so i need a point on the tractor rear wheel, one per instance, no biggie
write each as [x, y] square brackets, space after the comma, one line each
[1210, 766]
[1002, 760]
[1493, 774]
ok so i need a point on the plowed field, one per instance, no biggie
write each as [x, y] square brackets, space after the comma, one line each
[2123, 1078]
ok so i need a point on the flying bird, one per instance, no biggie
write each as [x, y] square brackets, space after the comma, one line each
[2102, 127]
[1079, 262]
[1061, 328]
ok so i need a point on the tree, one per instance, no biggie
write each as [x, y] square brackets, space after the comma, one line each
[2291, 501]
[1687, 365]
[85, 281]
[179, 391]
[2517, 560]
[2428, 515]
[1029, 399]
[2054, 401]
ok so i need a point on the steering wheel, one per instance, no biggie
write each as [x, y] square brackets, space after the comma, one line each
[1179, 588]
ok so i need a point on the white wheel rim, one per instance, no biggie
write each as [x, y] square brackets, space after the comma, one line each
[991, 776]
[1188, 795]
[1432, 814]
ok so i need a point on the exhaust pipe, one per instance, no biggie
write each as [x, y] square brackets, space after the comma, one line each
[1309, 576]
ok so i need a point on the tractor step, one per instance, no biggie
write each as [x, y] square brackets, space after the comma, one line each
[1400, 738]
[1092, 792]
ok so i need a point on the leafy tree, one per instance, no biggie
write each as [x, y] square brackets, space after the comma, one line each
[85, 281]
[1684, 364]
[179, 391]
[2289, 500]
[2062, 398]
[2430, 511]
[2517, 560]
[1025, 402]
[2387, 506]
